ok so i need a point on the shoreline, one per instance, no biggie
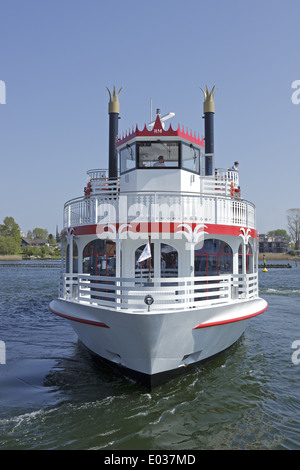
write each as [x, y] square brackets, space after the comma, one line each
[268, 257]
[277, 257]
[20, 258]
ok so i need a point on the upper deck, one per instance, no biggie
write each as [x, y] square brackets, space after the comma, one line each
[214, 202]
[163, 176]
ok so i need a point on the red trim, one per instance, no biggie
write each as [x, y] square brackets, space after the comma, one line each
[80, 320]
[158, 131]
[163, 227]
[207, 325]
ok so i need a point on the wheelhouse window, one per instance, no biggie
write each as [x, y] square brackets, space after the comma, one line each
[127, 158]
[190, 157]
[213, 258]
[159, 154]
[99, 258]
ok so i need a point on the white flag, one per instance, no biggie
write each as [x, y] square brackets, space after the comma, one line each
[145, 254]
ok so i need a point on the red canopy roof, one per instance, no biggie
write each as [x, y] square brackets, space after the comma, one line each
[158, 131]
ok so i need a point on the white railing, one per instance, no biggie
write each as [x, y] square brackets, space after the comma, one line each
[167, 293]
[227, 174]
[125, 208]
[224, 183]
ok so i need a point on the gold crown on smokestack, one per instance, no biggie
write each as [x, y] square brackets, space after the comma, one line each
[209, 104]
[114, 105]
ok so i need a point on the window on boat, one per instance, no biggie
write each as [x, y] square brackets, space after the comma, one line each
[66, 256]
[142, 268]
[158, 154]
[190, 157]
[127, 158]
[169, 261]
[75, 257]
[249, 259]
[99, 258]
[213, 258]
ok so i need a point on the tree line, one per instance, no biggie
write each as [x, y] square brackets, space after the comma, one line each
[10, 239]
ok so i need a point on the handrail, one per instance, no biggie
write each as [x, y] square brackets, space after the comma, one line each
[185, 207]
[168, 293]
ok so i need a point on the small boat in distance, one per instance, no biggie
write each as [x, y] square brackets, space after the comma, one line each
[160, 254]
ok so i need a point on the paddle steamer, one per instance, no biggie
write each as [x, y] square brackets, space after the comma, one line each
[160, 254]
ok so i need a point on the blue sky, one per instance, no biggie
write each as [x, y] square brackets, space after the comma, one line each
[58, 56]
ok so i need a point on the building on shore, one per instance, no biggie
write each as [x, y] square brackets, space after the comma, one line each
[34, 242]
[273, 243]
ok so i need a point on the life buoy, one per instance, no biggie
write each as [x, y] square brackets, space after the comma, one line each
[88, 189]
[231, 189]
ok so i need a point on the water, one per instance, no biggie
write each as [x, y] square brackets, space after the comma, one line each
[54, 396]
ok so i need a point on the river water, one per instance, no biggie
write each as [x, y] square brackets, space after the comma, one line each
[54, 396]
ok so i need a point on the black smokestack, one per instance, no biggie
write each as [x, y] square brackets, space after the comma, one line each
[113, 111]
[209, 111]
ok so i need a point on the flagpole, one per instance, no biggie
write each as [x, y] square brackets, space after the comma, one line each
[150, 259]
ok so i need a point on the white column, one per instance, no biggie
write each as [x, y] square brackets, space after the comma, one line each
[235, 261]
[71, 254]
[157, 258]
[118, 257]
[244, 261]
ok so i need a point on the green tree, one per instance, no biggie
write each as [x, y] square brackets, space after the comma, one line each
[293, 216]
[279, 232]
[39, 233]
[51, 239]
[10, 237]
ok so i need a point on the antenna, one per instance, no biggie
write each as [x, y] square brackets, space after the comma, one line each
[162, 119]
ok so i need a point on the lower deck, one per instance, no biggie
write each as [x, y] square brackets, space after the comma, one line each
[178, 273]
[157, 294]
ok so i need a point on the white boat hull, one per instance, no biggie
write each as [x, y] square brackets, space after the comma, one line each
[152, 347]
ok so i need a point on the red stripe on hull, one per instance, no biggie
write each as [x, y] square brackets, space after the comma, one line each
[224, 322]
[80, 320]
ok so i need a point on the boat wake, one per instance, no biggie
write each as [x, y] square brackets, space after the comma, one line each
[280, 291]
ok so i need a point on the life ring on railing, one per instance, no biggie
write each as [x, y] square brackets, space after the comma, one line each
[237, 192]
[231, 189]
[88, 189]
